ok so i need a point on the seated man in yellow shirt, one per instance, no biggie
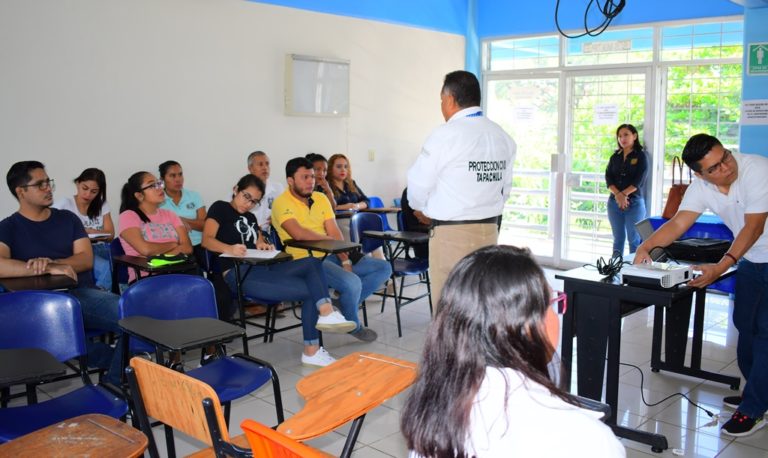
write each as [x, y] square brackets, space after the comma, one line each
[299, 213]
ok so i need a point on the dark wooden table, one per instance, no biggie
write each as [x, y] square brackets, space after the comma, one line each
[596, 305]
[21, 366]
[323, 246]
[178, 335]
[40, 282]
[141, 264]
[86, 435]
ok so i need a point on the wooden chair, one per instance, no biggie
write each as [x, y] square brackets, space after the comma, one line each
[265, 442]
[180, 402]
[346, 391]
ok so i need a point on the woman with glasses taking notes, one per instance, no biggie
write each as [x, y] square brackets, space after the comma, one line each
[230, 228]
[145, 228]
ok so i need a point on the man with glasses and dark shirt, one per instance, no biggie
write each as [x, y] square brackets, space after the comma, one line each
[734, 187]
[39, 239]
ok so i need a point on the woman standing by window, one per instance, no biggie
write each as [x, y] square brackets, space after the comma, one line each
[625, 177]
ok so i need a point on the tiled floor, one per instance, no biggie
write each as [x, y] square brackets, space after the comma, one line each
[687, 428]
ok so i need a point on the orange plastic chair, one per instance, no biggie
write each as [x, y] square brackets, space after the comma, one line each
[265, 442]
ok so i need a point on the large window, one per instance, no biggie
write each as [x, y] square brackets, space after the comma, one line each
[562, 100]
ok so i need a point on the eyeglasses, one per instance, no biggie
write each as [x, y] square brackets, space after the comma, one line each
[248, 198]
[42, 185]
[155, 185]
[727, 155]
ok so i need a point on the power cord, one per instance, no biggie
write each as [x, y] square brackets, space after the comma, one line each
[610, 9]
[610, 267]
[642, 395]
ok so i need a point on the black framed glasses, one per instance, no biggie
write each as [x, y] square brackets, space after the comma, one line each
[727, 155]
[249, 198]
[155, 185]
[42, 185]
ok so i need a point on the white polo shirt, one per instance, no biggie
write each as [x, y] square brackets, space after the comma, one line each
[748, 194]
[464, 171]
[263, 212]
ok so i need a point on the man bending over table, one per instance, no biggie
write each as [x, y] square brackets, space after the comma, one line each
[39, 239]
[734, 187]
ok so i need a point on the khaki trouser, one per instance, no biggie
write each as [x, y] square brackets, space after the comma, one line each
[449, 243]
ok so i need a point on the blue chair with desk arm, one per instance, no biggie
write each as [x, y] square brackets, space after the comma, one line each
[179, 296]
[376, 202]
[53, 322]
[401, 267]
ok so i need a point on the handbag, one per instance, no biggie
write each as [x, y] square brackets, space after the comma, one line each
[677, 191]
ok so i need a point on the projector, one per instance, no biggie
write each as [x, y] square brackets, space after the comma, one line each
[656, 274]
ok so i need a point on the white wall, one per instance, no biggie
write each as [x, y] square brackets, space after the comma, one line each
[126, 84]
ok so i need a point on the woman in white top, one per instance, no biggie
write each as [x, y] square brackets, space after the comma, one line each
[90, 205]
[483, 388]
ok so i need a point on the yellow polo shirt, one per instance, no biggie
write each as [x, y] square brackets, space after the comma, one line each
[286, 207]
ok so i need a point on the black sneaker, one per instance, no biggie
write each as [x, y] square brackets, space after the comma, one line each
[365, 334]
[741, 425]
[732, 401]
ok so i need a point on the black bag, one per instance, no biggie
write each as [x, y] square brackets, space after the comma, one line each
[698, 249]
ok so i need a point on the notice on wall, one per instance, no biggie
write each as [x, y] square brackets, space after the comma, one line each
[523, 114]
[606, 114]
[757, 59]
[754, 112]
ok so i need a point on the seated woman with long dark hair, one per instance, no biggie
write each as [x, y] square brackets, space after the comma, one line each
[231, 228]
[145, 228]
[483, 387]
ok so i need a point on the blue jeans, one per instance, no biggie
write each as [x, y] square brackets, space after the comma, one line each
[102, 268]
[623, 223]
[100, 311]
[750, 316]
[300, 280]
[367, 276]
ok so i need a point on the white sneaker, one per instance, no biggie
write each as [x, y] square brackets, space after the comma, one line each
[335, 322]
[320, 359]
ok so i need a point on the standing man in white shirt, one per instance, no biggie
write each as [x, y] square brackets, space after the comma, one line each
[462, 178]
[733, 186]
[258, 165]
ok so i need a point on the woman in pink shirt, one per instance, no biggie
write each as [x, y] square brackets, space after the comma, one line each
[145, 228]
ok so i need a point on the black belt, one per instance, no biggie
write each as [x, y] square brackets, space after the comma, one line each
[491, 220]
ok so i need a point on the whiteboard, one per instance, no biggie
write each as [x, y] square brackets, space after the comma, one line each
[316, 86]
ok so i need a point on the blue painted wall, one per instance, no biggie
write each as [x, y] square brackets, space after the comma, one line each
[753, 138]
[508, 18]
[440, 15]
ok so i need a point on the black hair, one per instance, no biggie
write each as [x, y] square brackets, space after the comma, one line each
[128, 199]
[491, 314]
[18, 174]
[94, 174]
[696, 148]
[464, 88]
[292, 166]
[250, 180]
[315, 157]
[163, 169]
[635, 146]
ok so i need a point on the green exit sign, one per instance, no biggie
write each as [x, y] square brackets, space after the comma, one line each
[757, 59]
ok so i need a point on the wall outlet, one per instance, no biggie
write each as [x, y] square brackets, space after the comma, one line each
[371, 155]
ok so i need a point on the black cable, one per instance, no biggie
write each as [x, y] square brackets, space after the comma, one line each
[610, 9]
[642, 395]
[610, 267]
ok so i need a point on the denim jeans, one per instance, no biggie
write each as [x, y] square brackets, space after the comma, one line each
[623, 223]
[102, 268]
[367, 276]
[300, 280]
[750, 316]
[100, 311]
